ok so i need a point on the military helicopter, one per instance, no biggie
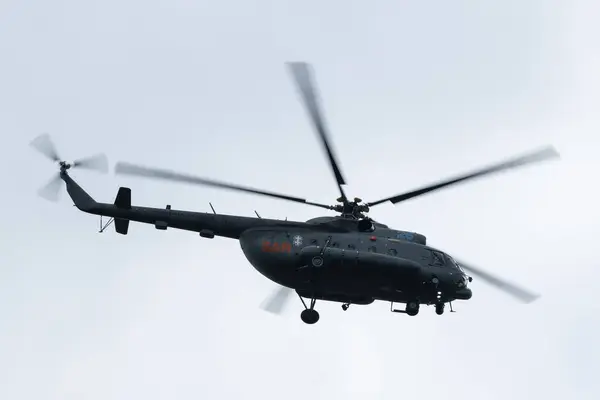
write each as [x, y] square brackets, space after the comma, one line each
[347, 258]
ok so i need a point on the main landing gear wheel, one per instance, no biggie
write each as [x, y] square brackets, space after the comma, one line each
[309, 315]
[439, 308]
[412, 308]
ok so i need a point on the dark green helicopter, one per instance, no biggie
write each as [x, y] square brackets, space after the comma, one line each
[347, 258]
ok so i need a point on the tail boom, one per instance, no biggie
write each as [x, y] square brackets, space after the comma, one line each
[122, 211]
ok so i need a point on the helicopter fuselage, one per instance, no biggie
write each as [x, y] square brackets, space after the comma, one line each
[354, 267]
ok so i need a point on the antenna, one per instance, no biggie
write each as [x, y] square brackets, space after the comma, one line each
[213, 209]
[258, 215]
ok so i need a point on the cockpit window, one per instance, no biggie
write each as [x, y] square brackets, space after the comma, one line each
[452, 262]
[437, 259]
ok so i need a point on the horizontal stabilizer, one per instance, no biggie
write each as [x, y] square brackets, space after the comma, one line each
[123, 200]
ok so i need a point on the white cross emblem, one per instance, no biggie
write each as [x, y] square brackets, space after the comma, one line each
[297, 240]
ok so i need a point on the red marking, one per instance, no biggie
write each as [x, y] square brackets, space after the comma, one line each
[373, 238]
[266, 246]
[275, 247]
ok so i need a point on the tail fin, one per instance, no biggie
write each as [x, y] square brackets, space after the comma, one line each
[123, 201]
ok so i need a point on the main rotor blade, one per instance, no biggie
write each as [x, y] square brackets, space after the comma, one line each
[510, 288]
[97, 162]
[51, 190]
[137, 170]
[305, 83]
[43, 143]
[277, 301]
[536, 156]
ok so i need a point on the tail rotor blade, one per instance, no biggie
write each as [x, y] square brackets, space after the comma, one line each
[277, 301]
[51, 190]
[522, 294]
[43, 143]
[97, 162]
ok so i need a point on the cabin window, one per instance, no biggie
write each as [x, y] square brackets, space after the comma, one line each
[393, 252]
[335, 244]
[352, 246]
[314, 242]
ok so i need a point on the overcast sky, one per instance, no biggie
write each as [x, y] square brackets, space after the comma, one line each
[413, 91]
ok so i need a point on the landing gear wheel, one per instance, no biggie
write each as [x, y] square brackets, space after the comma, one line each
[412, 308]
[309, 316]
[439, 308]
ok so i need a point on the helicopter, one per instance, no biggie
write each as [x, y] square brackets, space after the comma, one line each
[347, 258]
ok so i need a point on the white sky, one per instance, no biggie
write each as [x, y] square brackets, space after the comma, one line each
[413, 91]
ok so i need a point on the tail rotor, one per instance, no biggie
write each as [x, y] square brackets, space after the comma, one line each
[46, 147]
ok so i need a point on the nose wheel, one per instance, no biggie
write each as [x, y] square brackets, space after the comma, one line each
[439, 308]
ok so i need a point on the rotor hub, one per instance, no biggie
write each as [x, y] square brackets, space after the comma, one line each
[64, 166]
[352, 209]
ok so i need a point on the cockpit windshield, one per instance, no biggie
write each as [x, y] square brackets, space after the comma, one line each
[453, 263]
[437, 259]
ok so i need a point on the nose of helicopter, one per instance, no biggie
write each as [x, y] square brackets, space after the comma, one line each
[462, 292]
[455, 285]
